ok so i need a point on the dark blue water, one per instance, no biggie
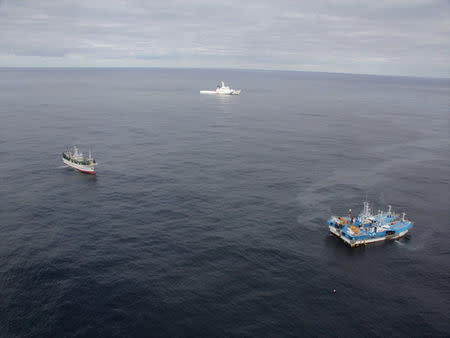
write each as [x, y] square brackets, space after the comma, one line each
[208, 214]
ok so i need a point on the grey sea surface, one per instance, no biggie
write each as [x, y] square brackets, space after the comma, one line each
[207, 216]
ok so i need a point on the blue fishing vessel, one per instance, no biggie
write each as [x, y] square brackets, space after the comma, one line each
[369, 227]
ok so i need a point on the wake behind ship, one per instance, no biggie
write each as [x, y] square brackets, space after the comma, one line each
[75, 159]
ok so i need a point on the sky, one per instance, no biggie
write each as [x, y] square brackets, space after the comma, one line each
[383, 37]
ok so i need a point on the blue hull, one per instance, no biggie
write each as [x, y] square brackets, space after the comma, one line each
[369, 228]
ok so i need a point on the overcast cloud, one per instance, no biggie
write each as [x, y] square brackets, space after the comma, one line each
[404, 37]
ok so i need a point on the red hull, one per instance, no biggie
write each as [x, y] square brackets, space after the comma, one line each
[86, 172]
[80, 170]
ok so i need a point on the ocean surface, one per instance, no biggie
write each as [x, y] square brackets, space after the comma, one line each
[207, 216]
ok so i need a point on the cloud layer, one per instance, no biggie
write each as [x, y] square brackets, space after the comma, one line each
[405, 37]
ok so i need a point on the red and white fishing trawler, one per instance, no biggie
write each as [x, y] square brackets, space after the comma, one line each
[75, 159]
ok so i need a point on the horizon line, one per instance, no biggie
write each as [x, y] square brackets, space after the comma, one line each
[218, 68]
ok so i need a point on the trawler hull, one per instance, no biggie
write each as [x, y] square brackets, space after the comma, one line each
[81, 168]
[369, 227]
[353, 242]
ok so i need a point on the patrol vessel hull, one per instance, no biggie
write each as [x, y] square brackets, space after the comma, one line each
[233, 92]
[222, 89]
